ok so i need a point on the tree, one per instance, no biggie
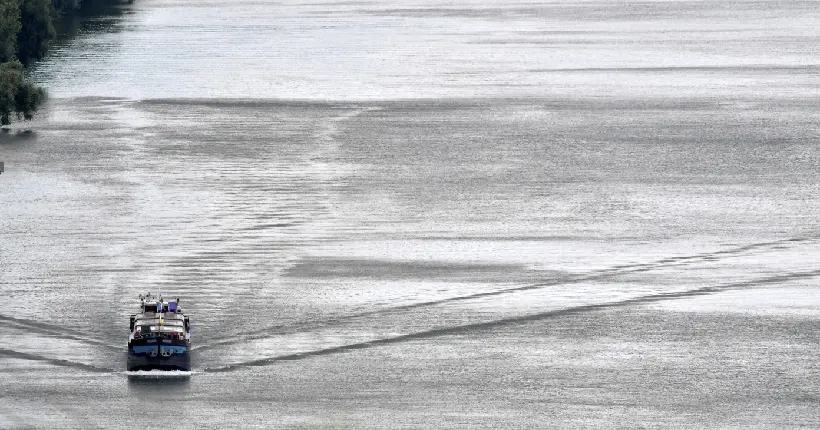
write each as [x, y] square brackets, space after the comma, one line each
[9, 27]
[36, 29]
[16, 95]
[28, 99]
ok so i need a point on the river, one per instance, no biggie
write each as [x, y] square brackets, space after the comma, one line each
[420, 215]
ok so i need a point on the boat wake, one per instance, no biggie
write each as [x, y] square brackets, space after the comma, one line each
[158, 374]
[492, 324]
[597, 275]
[53, 361]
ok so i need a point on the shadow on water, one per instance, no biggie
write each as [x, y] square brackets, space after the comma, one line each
[92, 16]
[11, 136]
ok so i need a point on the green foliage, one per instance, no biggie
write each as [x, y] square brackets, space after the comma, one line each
[26, 29]
[9, 27]
[28, 99]
[36, 29]
[16, 95]
[11, 78]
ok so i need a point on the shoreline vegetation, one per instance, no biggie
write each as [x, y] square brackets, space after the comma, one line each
[27, 28]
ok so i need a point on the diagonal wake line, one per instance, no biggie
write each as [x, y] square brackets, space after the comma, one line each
[444, 331]
[54, 330]
[55, 361]
[597, 275]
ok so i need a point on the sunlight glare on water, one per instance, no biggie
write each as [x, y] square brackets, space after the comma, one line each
[388, 50]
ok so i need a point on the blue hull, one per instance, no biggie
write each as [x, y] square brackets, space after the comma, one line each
[145, 362]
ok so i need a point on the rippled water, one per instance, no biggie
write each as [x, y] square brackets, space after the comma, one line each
[563, 214]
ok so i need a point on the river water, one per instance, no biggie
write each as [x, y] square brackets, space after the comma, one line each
[420, 215]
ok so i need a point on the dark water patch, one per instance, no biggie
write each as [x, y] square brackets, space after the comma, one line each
[465, 106]
[480, 106]
[91, 16]
[383, 269]
[375, 108]
[252, 103]
[92, 102]
[13, 137]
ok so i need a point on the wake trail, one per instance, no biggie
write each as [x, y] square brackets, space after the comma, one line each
[54, 361]
[488, 325]
[593, 276]
[54, 330]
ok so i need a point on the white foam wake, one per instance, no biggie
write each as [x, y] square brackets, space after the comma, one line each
[159, 374]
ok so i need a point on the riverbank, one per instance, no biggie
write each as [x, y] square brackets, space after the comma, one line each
[27, 30]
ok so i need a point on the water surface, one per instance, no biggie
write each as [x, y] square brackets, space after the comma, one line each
[421, 215]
